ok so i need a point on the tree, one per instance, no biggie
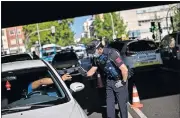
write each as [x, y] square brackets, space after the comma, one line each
[103, 28]
[176, 19]
[63, 35]
[86, 40]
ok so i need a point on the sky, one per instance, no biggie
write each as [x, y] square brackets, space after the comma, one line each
[77, 27]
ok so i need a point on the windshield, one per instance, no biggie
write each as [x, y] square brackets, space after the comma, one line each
[49, 51]
[30, 87]
[13, 58]
[142, 46]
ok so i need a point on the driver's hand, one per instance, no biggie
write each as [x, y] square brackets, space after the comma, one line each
[66, 77]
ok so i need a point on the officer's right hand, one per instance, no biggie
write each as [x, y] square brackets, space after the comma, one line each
[82, 71]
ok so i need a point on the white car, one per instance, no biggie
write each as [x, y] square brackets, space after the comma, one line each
[46, 101]
[139, 55]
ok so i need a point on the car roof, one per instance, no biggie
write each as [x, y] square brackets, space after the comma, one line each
[19, 65]
[16, 54]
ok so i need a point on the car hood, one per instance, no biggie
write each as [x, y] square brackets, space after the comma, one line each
[66, 110]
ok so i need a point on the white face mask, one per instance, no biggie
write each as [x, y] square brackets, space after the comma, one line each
[96, 54]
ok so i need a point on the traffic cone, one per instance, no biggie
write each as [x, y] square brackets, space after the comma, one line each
[136, 100]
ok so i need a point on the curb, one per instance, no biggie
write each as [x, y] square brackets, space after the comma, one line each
[136, 113]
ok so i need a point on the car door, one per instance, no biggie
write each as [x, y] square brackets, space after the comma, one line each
[178, 46]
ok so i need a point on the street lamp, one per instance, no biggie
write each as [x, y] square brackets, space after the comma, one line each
[112, 24]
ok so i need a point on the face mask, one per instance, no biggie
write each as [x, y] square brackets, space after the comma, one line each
[96, 54]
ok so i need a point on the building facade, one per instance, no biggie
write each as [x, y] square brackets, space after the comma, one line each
[4, 42]
[138, 21]
[15, 39]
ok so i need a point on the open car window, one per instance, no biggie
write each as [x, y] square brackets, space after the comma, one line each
[13, 58]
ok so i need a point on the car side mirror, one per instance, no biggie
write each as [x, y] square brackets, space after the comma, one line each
[76, 87]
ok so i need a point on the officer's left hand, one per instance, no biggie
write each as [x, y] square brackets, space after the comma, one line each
[118, 84]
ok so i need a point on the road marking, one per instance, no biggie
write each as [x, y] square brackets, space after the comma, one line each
[129, 115]
[138, 111]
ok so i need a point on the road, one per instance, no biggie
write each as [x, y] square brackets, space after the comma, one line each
[159, 92]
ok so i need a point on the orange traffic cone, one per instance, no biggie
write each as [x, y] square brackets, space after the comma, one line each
[136, 100]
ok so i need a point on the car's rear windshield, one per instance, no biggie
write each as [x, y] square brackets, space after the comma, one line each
[65, 56]
[142, 46]
[117, 45]
[13, 58]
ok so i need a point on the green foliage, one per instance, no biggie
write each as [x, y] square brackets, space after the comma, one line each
[63, 35]
[176, 19]
[104, 29]
[85, 40]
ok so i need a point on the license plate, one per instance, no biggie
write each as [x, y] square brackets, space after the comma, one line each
[148, 63]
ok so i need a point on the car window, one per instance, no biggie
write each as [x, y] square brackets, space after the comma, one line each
[142, 46]
[65, 60]
[117, 45]
[48, 53]
[30, 87]
[169, 40]
[13, 58]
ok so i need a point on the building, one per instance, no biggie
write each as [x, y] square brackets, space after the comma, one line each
[15, 38]
[4, 43]
[87, 29]
[138, 21]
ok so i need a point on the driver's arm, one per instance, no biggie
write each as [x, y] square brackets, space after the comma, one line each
[47, 81]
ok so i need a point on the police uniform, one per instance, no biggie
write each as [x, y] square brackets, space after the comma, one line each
[112, 91]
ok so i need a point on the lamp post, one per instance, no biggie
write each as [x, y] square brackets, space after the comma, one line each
[112, 25]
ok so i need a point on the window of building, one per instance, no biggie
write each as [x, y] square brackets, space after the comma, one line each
[13, 42]
[2, 32]
[12, 32]
[19, 32]
[20, 41]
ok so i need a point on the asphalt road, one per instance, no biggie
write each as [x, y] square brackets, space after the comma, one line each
[159, 92]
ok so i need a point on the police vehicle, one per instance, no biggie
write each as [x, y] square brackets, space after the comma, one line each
[139, 54]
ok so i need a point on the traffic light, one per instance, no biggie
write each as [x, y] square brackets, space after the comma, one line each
[152, 27]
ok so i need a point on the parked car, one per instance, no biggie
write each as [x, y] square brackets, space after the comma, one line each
[66, 61]
[139, 54]
[16, 57]
[170, 46]
[17, 100]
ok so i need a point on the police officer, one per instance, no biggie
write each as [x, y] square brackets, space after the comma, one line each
[115, 86]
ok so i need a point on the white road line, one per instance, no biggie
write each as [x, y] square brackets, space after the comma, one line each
[129, 115]
[139, 112]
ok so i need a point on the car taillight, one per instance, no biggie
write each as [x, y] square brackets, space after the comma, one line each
[129, 53]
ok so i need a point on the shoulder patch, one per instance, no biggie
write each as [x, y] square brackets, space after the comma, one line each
[118, 60]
